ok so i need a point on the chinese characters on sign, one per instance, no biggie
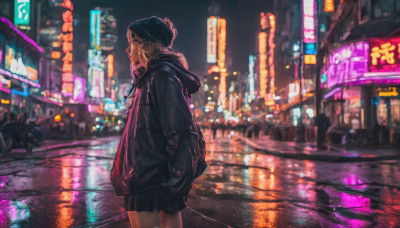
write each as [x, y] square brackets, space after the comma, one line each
[221, 37]
[67, 47]
[308, 21]
[347, 64]
[271, 46]
[22, 11]
[384, 55]
[387, 92]
[212, 40]
[309, 37]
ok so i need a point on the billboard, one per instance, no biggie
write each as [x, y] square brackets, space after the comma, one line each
[96, 82]
[79, 89]
[212, 39]
[95, 58]
[20, 64]
[95, 28]
[22, 12]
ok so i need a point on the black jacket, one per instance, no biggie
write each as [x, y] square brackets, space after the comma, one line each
[160, 139]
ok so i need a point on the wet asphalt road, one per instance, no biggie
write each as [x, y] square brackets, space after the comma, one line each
[241, 188]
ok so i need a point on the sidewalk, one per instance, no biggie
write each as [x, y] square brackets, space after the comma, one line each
[63, 144]
[308, 151]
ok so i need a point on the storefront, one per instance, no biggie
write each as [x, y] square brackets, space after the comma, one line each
[361, 85]
[5, 96]
[19, 63]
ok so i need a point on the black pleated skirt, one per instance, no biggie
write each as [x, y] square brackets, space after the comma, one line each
[154, 201]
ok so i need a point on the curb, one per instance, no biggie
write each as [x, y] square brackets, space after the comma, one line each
[318, 157]
[80, 143]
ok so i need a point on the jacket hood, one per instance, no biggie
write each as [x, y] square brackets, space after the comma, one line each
[189, 79]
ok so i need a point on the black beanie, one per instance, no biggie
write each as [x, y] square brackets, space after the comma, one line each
[153, 29]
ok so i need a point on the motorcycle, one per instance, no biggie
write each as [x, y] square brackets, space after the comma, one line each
[15, 135]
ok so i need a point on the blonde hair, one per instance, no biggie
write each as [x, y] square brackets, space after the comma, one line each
[151, 51]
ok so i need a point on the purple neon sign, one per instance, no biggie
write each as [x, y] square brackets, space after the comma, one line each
[348, 64]
[25, 37]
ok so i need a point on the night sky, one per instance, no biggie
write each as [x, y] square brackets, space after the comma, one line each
[189, 17]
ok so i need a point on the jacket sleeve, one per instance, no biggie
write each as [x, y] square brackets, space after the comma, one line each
[177, 125]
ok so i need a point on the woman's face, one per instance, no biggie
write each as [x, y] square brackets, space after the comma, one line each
[132, 50]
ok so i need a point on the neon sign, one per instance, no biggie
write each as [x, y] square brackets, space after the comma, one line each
[271, 46]
[384, 55]
[95, 19]
[96, 82]
[67, 48]
[348, 63]
[79, 89]
[22, 12]
[221, 59]
[252, 95]
[308, 21]
[388, 92]
[266, 48]
[212, 39]
[5, 101]
[262, 50]
[329, 6]
[110, 66]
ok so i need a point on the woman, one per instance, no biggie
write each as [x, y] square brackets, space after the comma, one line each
[157, 158]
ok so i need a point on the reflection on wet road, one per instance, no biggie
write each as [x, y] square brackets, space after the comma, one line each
[241, 188]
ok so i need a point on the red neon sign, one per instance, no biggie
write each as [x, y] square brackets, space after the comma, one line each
[384, 55]
[67, 48]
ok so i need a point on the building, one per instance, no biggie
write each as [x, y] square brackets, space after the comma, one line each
[19, 66]
[216, 59]
[360, 76]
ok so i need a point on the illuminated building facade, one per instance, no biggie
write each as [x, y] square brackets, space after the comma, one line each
[360, 77]
[102, 83]
[19, 67]
[56, 38]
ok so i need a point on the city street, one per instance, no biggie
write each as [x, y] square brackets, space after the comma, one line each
[241, 188]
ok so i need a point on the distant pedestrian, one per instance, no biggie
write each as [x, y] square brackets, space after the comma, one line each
[214, 128]
[249, 130]
[223, 127]
[323, 123]
[160, 152]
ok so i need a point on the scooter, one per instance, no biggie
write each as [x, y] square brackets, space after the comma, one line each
[13, 135]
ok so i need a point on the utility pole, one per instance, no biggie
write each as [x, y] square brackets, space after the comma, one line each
[318, 90]
[300, 131]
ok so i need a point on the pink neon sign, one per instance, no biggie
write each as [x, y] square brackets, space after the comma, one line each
[308, 21]
[347, 64]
